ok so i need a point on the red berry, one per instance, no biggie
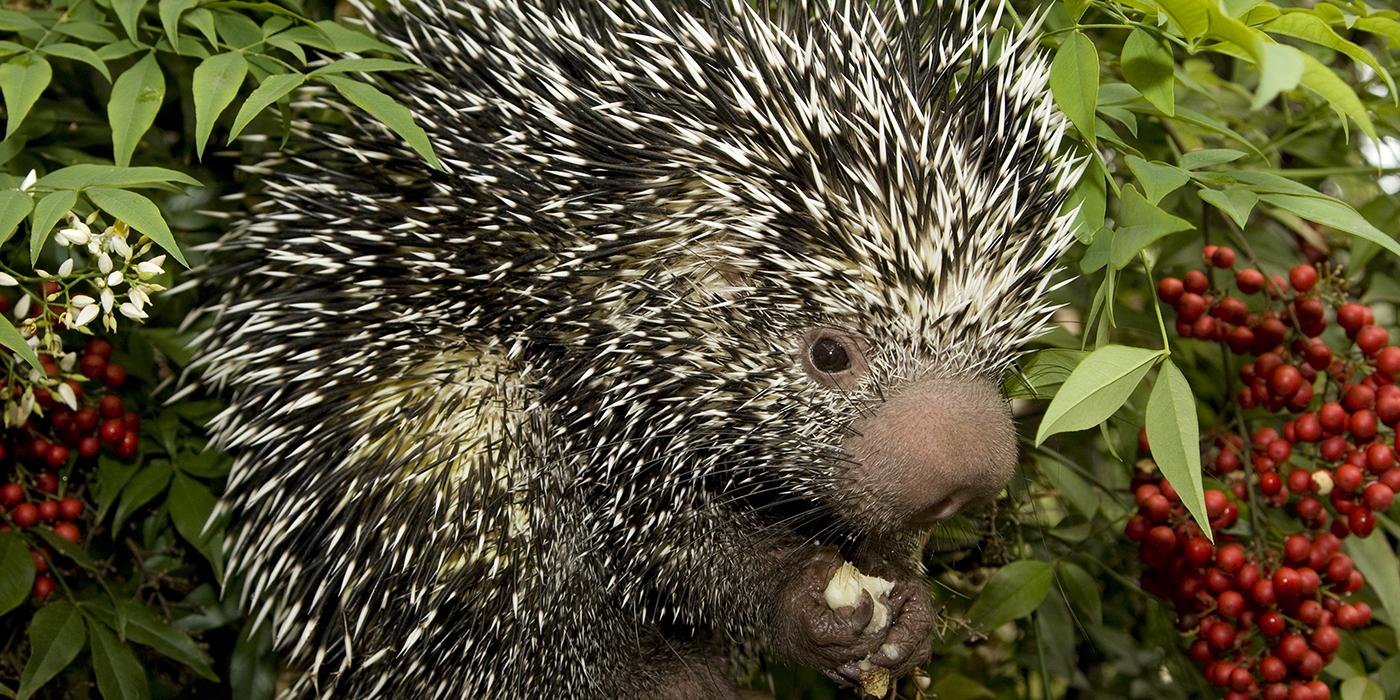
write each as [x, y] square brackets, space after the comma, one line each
[1371, 339]
[70, 508]
[1285, 380]
[113, 430]
[1348, 477]
[1190, 307]
[1388, 409]
[25, 515]
[127, 448]
[1223, 258]
[1379, 457]
[1221, 636]
[1359, 396]
[11, 494]
[1352, 317]
[43, 587]
[1137, 528]
[92, 366]
[1339, 568]
[1299, 481]
[1230, 604]
[99, 347]
[1291, 649]
[1378, 497]
[111, 406]
[1272, 669]
[1363, 425]
[1169, 290]
[1333, 417]
[1195, 282]
[41, 563]
[114, 376]
[1308, 428]
[1199, 551]
[1287, 582]
[46, 482]
[67, 531]
[57, 456]
[1296, 548]
[1271, 623]
[89, 446]
[1361, 521]
[1249, 280]
[48, 511]
[1302, 277]
[1270, 483]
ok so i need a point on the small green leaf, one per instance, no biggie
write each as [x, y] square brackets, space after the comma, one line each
[119, 674]
[1158, 179]
[22, 80]
[78, 52]
[1208, 157]
[14, 206]
[1361, 688]
[46, 215]
[1013, 592]
[346, 40]
[112, 475]
[363, 65]
[1335, 92]
[216, 82]
[90, 32]
[1042, 372]
[128, 13]
[1096, 389]
[136, 99]
[10, 338]
[1237, 202]
[1074, 82]
[1192, 17]
[272, 89]
[252, 669]
[385, 109]
[1091, 198]
[1280, 70]
[139, 213]
[1378, 563]
[1071, 486]
[147, 484]
[1148, 65]
[84, 175]
[1311, 28]
[1082, 590]
[170, 11]
[190, 505]
[16, 571]
[1174, 433]
[1142, 223]
[55, 637]
[1333, 214]
[144, 627]
[69, 550]
[13, 21]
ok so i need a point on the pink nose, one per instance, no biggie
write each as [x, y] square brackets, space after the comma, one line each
[933, 448]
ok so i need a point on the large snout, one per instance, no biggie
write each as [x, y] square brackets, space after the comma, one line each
[935, 447]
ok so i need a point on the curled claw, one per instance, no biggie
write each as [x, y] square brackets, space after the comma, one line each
[906, 644]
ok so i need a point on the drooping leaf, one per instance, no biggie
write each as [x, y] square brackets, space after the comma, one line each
[216, 82]
[84, 175]
[272, 89]
[1280, 70]
[1074, 82]
[56, 636]
[385, 109]
[191, 504]
[46, 215]
[10, 338]
[1096, 389]
[170, 11]
[143, 627]
[136, 99]
[22, 80]
[1361, 688]
[16, 571]
[1174, 433]
[1192, 17]
[119, 674]
[146, 485]
[1013, 592]
[139, 213]
[1207, 157]
[14, 206]
[128, 13]
[1378, 563]
[1071, 486]
[78, 52]
[1334, 214]
[1237, 202]
[1082, 590]
[1142, 224]
[1148, 65]
[1158, 179]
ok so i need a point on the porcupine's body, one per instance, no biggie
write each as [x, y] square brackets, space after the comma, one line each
[532, 426]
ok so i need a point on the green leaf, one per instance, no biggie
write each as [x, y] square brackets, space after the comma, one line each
[147, 484]
[55, 638]
[84, 175]
[1014, 591]
[252, 669]
[216, 83]
[128, 13]
[78, 52]
[346, 40]
[1174, 433]
[1071, 486]
[273, 88]
[119, 674]
[1148, 65]
[1237, 202]
[1091, 198]
[1208, 157]
[46, 215]
[1192, 17]
[90, 32]
[1096, 389]
[144, 627]
[69, 550]
[1280, 70]
[1142, 223]
[1082, 590]
[1379, 564]
[112, 475]
[16, 571]
[139, 213]
[1333, 214]
[136, 99]
[1074, 82]
[10, 338]
[385, 109]
[363, 65]
[1158, 179]
[13, 21]
[1361, 688]
[190, 505]
[22, 80]
[1042, 372]
[1311, 28]
[1337, 93]
[170, 11]
[14, 206]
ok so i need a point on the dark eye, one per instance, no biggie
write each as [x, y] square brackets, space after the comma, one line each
[833, 358]
[829, 355]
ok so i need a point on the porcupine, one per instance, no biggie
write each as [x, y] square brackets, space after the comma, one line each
[706, 298]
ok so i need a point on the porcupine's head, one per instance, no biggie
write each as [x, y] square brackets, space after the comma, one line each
[858, 207]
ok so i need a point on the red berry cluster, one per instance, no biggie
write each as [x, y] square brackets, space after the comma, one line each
[57, 439]
[1266, 618]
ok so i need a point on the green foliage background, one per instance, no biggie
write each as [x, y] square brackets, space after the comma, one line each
[1227, 121]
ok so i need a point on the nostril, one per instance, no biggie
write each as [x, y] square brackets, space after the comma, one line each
[940, 510]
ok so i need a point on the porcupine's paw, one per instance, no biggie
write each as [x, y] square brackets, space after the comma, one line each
[809, 632]
[908, 642]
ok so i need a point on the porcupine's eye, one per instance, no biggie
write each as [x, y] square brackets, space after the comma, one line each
[833, 358]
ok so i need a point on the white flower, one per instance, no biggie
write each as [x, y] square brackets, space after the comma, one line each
[86, 315]
[150, 268]
[82, 300]
[77, 232]
[120, 247]
[108, 298]
[104, 263]
[22, 306]
[27, 184]
[65, 268]
[65, 392]
[139, 298]
[67, 360]
[42, 273]
[7, 281]
[114, 278]
[130, 310]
